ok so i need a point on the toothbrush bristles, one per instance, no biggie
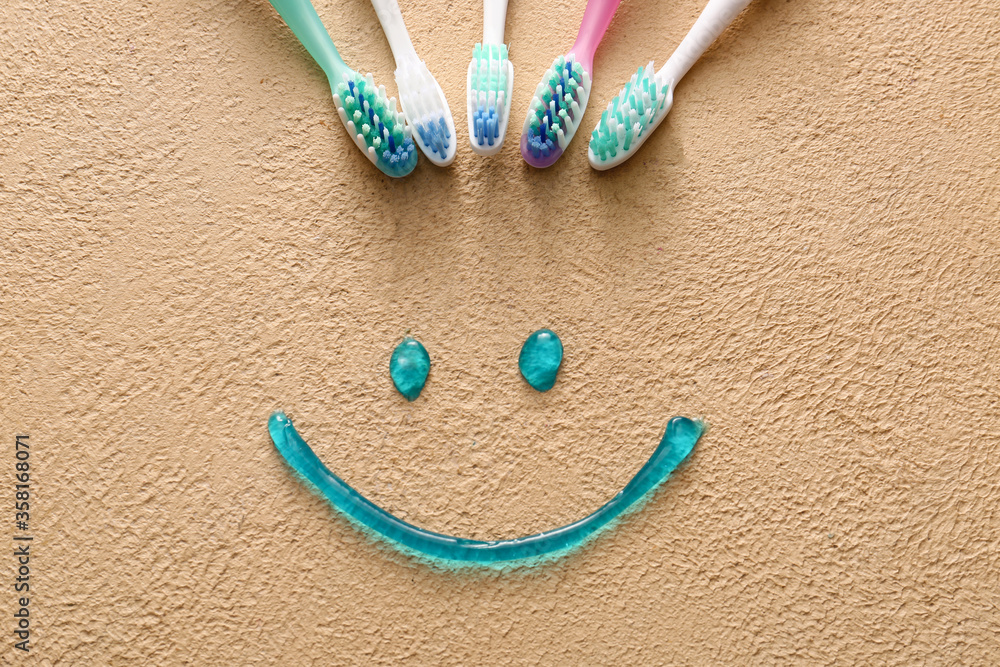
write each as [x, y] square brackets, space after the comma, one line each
[425, 108]
[487, 92]
[630, 117]
[374, 124]
[555, 113]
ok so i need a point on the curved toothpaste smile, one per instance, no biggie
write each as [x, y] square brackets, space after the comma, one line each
[679, 439]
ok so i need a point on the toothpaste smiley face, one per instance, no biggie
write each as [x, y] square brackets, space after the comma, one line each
[679, 439]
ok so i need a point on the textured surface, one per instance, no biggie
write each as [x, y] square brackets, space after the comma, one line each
[805, 253]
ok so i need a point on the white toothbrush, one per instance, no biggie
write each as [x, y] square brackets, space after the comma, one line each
[489, 83]
[645, 100]
[420, 96]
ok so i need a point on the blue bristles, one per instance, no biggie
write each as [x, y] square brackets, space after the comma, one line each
[435, 135]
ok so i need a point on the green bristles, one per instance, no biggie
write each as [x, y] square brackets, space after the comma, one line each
[485, 78]
[637, 108]
[372, 99]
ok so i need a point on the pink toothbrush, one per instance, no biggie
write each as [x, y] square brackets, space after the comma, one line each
[561, 97]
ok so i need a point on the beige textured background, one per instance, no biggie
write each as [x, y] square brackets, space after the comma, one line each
[805, 254]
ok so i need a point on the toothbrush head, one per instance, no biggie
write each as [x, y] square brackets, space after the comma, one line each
[555, 111]
[373, 122]
[488, 90]
[427, 111]
[630, 117]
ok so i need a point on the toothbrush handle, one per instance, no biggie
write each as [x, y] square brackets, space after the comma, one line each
[596, 19]
[395, 30]
[715, 18]
[305, 23]
[494, 17]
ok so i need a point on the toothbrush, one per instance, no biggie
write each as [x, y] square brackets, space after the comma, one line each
[370, 118]
[420, 95]
[489, 83]
[561, 97]
[645, 100]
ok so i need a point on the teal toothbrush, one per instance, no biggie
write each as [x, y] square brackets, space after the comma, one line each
[379, 130]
